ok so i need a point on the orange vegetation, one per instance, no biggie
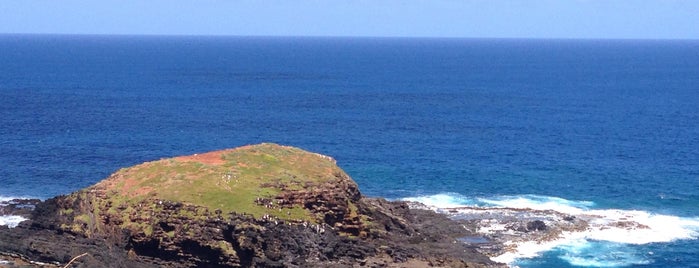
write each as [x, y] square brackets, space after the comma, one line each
[210, 158]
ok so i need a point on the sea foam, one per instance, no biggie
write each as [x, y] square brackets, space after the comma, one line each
[606, 243]
[6, 198]
[601, 254]
[10, 220]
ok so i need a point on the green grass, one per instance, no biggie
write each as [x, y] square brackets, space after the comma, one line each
[246, 174]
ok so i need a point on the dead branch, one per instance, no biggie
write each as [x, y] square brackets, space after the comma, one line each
[75, 258]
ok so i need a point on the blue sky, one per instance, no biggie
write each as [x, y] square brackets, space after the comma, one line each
[644, 19]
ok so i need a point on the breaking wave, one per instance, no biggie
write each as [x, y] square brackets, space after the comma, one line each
[10, 220]
[606, 243]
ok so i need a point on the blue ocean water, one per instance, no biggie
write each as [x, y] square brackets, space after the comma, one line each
[610, 122]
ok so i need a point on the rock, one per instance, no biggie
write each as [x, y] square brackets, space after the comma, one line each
[18, 207]
[536, 225]
[263, 205]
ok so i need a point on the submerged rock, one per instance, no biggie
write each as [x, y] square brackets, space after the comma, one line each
[262, 205]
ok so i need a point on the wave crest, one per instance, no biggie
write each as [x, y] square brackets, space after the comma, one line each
[604, 241]
[11, 221]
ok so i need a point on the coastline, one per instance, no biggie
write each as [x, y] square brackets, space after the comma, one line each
[14, 210]
[504, 234]
[263, 205]
[421, 238]
[518, 228]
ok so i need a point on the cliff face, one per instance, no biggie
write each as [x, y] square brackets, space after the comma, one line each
[263, 205]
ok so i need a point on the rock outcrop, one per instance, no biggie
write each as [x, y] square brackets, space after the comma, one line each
[256, 206]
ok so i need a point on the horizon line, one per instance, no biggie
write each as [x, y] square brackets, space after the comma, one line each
[355, 36]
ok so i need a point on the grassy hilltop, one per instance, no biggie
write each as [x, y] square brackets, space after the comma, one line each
[266, 181]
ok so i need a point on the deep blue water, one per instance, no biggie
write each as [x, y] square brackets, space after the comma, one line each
[615, 122]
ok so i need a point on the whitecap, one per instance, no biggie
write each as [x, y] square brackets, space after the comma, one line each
[11, 221]
[659, 228]
[538, 202]
[10, 198]
[444, 200]
[614, 229]
[601, 254]
[6, 198]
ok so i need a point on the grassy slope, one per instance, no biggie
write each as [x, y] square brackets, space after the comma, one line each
[229, 181]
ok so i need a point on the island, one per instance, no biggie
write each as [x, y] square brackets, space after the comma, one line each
[263, 205]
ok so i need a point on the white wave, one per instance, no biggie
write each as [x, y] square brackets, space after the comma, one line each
[539, 202]
[605, 226]
[601, 254]
[611, 226]
[446, 200]
[578, 251]
[11, 221]
[8, 198]
[526, 250]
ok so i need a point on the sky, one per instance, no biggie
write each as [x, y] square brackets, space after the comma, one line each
[606, 19]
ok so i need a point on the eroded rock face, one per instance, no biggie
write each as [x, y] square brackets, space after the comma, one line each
[256, 206]
[397, 236]
[333, 203]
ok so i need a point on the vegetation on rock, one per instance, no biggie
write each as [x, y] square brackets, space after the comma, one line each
[169, 203]
[265, 181]
[262, 205]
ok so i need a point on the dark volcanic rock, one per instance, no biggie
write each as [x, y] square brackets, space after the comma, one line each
[536, 225]
[399, 236]
[18, 207]
[256, 206]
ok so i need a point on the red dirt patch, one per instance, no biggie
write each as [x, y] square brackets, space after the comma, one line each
[143, 191]
[210, 158]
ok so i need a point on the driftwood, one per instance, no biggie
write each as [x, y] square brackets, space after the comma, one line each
[73, 259]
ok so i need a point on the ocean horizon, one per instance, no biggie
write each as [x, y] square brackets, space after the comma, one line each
[594, 127]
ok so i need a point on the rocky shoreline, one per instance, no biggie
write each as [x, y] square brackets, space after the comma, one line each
[18, 207]
[262, 205]
[269, 205]
[506, 234]
[413, 237]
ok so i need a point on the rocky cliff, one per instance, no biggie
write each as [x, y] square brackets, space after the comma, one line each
[256, 206]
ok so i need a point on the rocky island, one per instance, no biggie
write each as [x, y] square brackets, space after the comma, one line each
[262, 205]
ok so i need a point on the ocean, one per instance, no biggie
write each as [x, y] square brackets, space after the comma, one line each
[603, 127]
